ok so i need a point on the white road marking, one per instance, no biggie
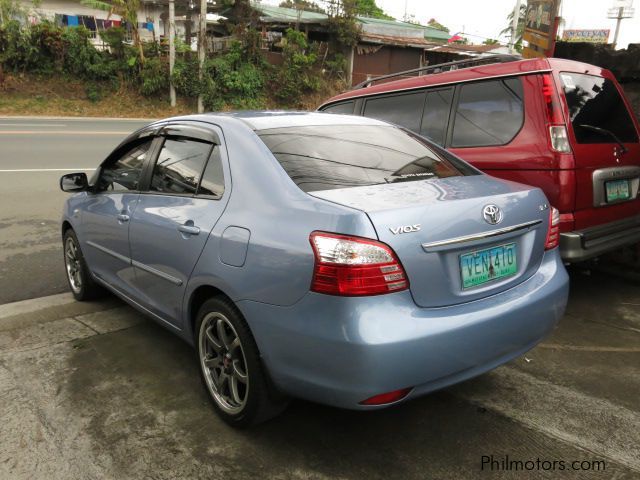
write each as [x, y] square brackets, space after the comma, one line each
[59, 132]
[32, 125]
[76, 119]
[28, 170]
[592, 424]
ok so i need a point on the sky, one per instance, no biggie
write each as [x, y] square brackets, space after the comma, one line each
[482, 19]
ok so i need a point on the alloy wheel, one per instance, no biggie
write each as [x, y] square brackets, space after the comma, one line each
[223, 363]
[74, 267]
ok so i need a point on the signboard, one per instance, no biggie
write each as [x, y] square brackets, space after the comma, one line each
[541, 25]
[589, 36]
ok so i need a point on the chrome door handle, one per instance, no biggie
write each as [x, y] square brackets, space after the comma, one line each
[189, 229]
[122, 217]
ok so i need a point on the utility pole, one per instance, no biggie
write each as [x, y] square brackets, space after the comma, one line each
[172, 50]
[202, 47]
[514, 27]
[622, 9]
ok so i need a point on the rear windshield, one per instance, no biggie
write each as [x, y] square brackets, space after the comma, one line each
[340, 156]
[597, 110]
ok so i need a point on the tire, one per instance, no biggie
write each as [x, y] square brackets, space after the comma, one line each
[230, 366]
[80, 281]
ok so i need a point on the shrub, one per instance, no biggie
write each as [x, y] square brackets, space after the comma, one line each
[154, 76]
[296, 75]
[185, 78]
[229, 79]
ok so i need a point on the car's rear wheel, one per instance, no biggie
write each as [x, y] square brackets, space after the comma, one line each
[82, 285]
[231, 368]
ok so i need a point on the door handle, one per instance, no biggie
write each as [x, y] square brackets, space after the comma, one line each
[189, 229]
[122, 217]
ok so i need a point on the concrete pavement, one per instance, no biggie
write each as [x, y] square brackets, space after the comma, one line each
[34, 153]
[96, 390]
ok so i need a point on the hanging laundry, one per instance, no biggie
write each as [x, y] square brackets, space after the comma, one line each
[72, 20]
[58, 20]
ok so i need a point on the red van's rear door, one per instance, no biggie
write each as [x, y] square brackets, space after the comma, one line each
[605, 143]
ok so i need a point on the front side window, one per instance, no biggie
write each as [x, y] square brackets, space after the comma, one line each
[179, 167]
[341, 156]
[123, 174]
[597, 110]
[405, 110]
[488, 113]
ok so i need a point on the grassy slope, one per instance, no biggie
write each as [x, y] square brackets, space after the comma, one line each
[55, 96]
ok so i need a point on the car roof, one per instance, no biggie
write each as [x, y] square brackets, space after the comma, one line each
[267, 119]
[487, 71]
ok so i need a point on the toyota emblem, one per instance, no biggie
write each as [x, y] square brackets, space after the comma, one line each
[492, 214]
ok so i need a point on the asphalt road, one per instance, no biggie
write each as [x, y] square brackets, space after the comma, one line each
[94, 390]
[34, 153]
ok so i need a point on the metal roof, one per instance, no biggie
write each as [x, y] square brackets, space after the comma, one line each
[271, 13]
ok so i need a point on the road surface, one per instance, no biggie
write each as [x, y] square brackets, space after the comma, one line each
[34, 153]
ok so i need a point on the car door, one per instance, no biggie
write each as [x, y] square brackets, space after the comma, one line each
[184, 197]
[108, 209]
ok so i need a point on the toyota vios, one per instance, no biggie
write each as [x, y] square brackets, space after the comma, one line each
[334, 258]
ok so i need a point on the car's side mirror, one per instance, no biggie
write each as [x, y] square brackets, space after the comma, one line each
[74, 182]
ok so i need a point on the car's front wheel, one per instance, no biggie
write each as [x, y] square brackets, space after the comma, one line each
[80, 281]
[231, 368]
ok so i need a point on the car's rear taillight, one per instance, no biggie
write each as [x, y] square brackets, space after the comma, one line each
[355, 266]
[553, 234]
[386, 398]
[557, 129]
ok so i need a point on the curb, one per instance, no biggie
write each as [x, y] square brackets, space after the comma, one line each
[35, 304]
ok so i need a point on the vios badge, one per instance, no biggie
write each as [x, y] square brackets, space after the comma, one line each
[492, 214]
[405, 229]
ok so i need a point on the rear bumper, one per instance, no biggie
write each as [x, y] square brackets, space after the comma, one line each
[591, 242]
[340, 351]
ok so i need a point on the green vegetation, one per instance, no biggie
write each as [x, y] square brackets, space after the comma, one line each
[520, 29]
[305, 5]
[238, 78]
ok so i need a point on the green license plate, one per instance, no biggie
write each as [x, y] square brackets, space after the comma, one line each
[484, 266]
[618, 190]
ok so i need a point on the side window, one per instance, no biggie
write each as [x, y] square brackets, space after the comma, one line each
[345, 108]
[123, 174]
[405, 110]
[436, 115]
[213, 178]
[179, 166]
[488, 113]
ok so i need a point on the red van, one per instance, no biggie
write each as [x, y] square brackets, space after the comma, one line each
[560, 125]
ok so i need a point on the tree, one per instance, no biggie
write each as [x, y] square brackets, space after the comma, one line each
[368, 8]
[522, 18]
[490, 41]
[128, 10]
[306, 5]
[433, 23]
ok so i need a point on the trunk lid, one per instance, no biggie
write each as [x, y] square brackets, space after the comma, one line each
[432, 224]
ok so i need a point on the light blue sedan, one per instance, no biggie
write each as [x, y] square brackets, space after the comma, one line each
[334, 258]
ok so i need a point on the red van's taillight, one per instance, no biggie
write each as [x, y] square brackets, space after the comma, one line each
[355, 266]
[557, 129]
[553, 234]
